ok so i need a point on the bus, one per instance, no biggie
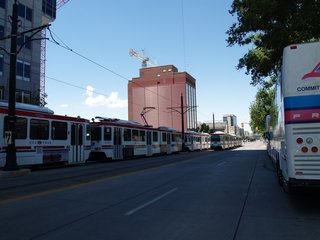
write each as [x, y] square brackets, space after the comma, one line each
[293, 126]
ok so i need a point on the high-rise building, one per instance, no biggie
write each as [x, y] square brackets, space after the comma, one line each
[231, 123]
[230, 119]
[157, 93]
[31, 14]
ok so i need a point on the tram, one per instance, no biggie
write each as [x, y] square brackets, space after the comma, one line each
[42, 137]
[117, 139]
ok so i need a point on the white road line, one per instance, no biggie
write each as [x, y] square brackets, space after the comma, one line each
[150, 202]
[222, 163]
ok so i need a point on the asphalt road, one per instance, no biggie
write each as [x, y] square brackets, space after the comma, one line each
[205, 195]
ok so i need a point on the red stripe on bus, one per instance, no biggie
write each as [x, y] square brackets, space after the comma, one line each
[302, 115]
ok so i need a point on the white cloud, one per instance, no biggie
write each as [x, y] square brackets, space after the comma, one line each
[112, 101]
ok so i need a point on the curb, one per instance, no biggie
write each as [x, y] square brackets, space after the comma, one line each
[16, 173]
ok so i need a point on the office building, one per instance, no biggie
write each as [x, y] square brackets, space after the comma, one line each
[156, 94]
[31, 54]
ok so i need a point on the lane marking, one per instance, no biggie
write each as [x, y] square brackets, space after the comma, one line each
[89, 182]
[85, 184]
[220, 164]
[132, 211]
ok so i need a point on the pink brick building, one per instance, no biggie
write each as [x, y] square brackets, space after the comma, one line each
[161, 88]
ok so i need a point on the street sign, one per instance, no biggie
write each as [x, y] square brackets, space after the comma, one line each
[8, 137]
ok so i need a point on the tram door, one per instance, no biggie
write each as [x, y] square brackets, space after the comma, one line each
[76, 148]
[117, 143]
[149, 144]
[169, 148]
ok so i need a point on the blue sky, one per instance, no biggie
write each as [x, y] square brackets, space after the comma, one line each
[190, 35]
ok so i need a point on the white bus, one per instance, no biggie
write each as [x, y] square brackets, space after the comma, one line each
[293, 128]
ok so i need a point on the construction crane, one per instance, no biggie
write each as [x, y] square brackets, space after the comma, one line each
[42, 93]
[145, 60]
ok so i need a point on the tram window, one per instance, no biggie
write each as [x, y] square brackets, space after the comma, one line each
[39, 129]
[88, 131]
[142, 136]
[127, 134]
[107, 133]
[178, 137]
[135, 135]
[155, 136]
[96, 133]
[21, 127]
[173, 136]
[59, 130]
[164, 137]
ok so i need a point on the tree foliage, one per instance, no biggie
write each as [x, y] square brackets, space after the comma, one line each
[268, 26]
[260, 109]
[204, 128]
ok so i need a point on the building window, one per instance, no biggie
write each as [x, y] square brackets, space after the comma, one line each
[25, 12]
[49, 8]
[23, 70]
[1, 31]
[24, 40]
[23, 97]
[1, 93]
[3, 3]
[1, 65]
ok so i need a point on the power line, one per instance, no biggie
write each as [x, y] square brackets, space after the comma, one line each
[100, 65]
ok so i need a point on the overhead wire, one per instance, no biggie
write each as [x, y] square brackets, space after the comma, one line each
[66, 47]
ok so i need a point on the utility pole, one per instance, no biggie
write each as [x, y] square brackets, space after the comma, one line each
[213, 124]
[182, 122]
[182, 112]
[11, 157]
[10, 133]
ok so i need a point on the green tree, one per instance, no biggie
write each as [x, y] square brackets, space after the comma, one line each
[204, 128]
[268, 26]
[259, 109]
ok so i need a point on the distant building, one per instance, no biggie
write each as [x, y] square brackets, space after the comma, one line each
[230, 119]
[157, 91]
[218, 125]
[31, 14]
